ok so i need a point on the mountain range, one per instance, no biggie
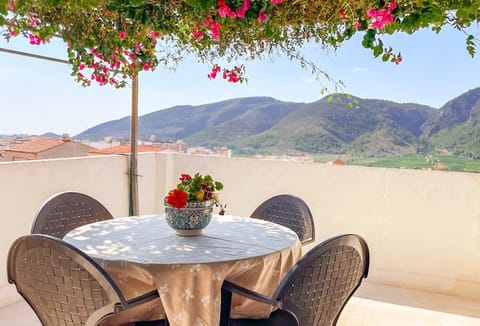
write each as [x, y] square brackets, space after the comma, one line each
[339, 124]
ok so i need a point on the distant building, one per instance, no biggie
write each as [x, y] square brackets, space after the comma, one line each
[179, 146]
[125, 149]
[46, 148]
[199, 151]
[286, 158]
[224, 151]
[175, 146]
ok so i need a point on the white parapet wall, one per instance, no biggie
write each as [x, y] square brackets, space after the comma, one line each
[422, 227]
[26, 185]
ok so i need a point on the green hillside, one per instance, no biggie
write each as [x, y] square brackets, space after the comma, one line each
[263, 125]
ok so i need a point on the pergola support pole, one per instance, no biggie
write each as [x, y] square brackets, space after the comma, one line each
[134, 209]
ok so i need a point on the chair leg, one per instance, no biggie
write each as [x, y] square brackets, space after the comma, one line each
[225, 307]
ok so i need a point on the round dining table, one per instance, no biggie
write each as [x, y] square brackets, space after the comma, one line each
[142, 253]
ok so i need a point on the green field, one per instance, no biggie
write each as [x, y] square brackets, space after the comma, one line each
[438, 162]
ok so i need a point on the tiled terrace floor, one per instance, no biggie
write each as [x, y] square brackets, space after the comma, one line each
[371, 307]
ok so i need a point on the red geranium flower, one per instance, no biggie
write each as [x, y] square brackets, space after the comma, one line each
[185, 177]
[177, 198]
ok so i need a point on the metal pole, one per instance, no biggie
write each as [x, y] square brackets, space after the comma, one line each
[133, 150]
[32, 55]
[133, 196]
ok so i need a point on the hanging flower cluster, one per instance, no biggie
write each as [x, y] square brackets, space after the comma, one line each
[122, 63]
[210, 27]
[382, 17]
[235, 75]
[111, 41]
[376, 21]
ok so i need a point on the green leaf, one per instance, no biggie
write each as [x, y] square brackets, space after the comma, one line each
[218, 185]
[377, 51]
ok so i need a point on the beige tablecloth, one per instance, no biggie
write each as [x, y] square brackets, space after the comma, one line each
[142, 253]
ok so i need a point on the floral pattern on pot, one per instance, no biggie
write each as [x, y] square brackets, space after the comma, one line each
[190, 219]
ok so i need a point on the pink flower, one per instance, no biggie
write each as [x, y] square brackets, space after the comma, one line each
[241, 12]
[33, 21]
[81, 66]
[34, 39]
[261, 16]
[357, 25]
[153, 34]
[212, 75]
[372, 12]
[224, 11]
[276, 1]
[383, 16]
[232, 76]
[243, 9]
[398, 59]
[96, 54]
[215, 29]
[122, 34]
[231, 14]
[197, 34]
[12, 32]
[392, 5]
[146, 66]
[11, 5]
[341, 13]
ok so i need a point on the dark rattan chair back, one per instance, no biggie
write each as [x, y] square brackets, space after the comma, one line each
[62, 284]
[320, 284]
[315, 291]
[66, 211]
[289, 211]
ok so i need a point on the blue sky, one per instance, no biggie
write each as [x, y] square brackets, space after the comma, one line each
[40, 96]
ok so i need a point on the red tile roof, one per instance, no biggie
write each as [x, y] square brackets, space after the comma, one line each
[36, 145]
[125, 149]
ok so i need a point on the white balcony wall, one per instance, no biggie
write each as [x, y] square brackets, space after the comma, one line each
[26, 185]
[423, 227]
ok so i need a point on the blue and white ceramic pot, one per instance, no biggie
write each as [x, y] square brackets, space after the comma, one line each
[191, 219]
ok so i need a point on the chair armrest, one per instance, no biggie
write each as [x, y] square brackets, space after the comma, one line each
[234, 288]
[228, 288]
[142, 299]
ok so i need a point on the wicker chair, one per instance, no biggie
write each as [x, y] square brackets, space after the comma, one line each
[289, 211]
[315, 290]
[66, 211]
[62, 284]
